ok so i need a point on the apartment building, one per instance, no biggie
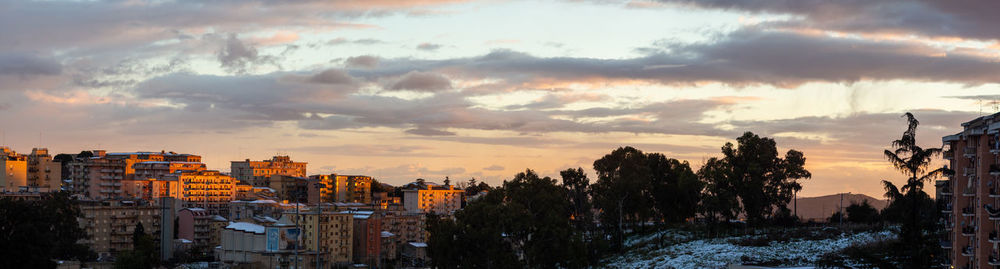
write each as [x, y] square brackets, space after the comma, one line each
[405, 227]
[258, 173]
[147, 181]
[110, 224]
[43, 172]
[206, 189]
[344, 188]
[971, 195]
[328, 233]
[426, 198]
[367, 238]
[103, 175]
[15, 170]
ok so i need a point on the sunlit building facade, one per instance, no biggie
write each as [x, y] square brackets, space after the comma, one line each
[970, 198]
[258, 173]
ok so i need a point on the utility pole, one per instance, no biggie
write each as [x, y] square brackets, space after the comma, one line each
[319, 214]
[299, 230]
[841, 209]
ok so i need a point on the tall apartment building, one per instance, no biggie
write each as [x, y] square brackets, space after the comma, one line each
[442, 200]
[368, 238]
[329, 233]
[345, 188]
[102, 176]
[44, 172]
[206, 189]
[110, 224]
[971, 195]
[258, 173]
[15, 170]
[148, 177]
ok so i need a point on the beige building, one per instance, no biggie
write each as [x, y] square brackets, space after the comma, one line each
[258, 173]
[43, 172]
[15, 170]
[442, 200]
[110, 224]
[405, 227]
[335, 234]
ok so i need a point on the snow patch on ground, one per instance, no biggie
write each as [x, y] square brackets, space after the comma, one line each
[720, 252]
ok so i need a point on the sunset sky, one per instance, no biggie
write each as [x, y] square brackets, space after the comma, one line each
[400, 89]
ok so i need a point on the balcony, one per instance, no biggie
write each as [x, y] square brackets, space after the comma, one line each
[993, 237]
[994, 170]
[970, 152]
[993, 212]
[970, 171]
[946, 190]
[945, 244]
[968, 231]
[968, 251]
[970, 191]
[993, 260]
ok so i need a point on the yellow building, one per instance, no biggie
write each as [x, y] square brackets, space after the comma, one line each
[15, 170]
[345, 188]
[258, 173]
[43, 172]
[442, 200]
[335, 233]
[206, 189]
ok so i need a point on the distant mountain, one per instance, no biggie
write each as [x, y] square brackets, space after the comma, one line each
[820, 208]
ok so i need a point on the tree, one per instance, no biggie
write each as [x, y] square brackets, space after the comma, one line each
[762, 182]
[577, 186]
[51, 227]
[676, 189]
[143, 253]
[85, 154]
[862, 213]
[719, 202]
[523, 224]
[910, 205]
[621, 191]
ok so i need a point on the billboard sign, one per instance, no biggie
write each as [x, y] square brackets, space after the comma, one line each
[282, 238]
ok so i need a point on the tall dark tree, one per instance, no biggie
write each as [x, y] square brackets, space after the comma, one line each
[760, 179]
[676, 189]
[51, 227]
[720, 201]
[577, 187]
[621, 191]
[914, 209]
[143, 253]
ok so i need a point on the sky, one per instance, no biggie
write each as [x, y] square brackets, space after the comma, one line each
[406, 89]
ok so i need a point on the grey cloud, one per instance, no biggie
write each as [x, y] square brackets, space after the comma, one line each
[746, 57]
[365, 61]
[494, 168]
[558, 100]
[235, 55]
[20, 64]
[363, 41]
[963, 18]
[422, 81]
[332, 76]
[428, 46]
[429, 132]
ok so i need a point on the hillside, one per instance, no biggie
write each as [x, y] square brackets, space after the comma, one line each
[820, 208]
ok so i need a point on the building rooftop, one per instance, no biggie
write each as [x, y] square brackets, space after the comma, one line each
[246, 227]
